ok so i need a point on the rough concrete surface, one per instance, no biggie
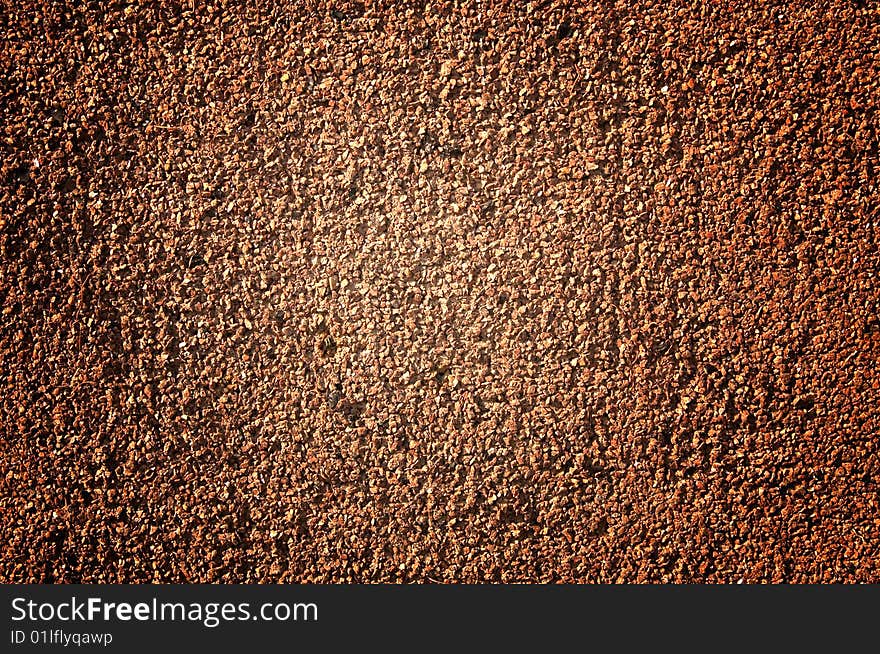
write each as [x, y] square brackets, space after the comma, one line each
[439, 292]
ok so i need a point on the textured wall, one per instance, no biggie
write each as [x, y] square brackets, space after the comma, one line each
[488, 292]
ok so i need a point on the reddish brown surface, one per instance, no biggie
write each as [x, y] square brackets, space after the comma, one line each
[353, 293]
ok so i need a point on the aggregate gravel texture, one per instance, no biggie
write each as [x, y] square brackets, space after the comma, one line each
[439, 292]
